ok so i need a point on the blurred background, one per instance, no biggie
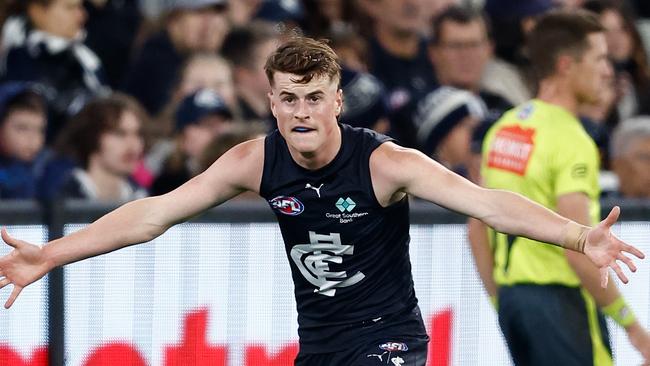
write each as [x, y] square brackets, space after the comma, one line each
[106, 101]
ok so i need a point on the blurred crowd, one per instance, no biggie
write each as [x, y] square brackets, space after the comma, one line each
[112, 100]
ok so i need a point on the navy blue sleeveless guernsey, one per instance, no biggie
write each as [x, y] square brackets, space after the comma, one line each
[349, 255]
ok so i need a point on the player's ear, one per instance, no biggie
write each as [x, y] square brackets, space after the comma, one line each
[565, 64]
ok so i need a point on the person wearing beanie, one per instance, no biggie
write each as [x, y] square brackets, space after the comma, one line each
[444, 120]
[365, 103]
[199, 118]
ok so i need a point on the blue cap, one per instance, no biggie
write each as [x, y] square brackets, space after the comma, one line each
[12, 89]
[280, 11]
[198, 105]
[364, 99]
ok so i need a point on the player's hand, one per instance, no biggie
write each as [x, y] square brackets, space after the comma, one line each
[25, 264]
[605, 249]
[640, 339]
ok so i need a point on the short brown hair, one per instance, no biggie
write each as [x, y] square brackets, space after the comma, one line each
[27, 100]
[458, 14]
[82, 134]
[305, 57]
[560, 32]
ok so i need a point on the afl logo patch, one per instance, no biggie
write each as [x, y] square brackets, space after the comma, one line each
[394, 346]
[287, 205]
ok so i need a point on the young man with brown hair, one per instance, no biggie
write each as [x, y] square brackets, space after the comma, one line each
[548, 297]
[340, 196]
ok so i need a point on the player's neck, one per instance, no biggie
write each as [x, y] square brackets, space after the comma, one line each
[557, 92]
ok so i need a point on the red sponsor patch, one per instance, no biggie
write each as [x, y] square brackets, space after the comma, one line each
[511, 149]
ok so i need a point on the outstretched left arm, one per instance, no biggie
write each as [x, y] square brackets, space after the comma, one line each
[396, 170]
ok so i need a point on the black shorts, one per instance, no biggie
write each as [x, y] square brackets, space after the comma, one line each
[553, 325]
[392, 351]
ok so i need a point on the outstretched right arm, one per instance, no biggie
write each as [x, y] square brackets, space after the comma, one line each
[240, 169]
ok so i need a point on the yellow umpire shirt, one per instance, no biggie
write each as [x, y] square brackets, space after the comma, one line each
[541, 151]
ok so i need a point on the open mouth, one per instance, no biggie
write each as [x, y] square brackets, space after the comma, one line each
[301, 129]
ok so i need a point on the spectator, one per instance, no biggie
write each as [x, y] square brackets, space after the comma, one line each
[325, 17]
[234, 135]
[206, 70]
[626, 50]
[286, 16]
[241, 12]
[112, 28]
[398, 51]
[247, 49]
[509, 73]
[631, 157]
[43, 43]
[460, 49]
[364, 101]
[190, 26]
[238, 133]
[202, 71]
[351, 48]
[445, 120]
[106, 140]
[200, 118]
[23, 118]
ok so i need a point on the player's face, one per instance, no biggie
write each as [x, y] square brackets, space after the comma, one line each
[306, 114]
[593, 72]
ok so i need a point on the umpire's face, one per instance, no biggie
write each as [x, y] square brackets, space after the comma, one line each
[307, 113]
[592, 71]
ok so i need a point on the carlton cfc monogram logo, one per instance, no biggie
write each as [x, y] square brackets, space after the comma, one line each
[287, 205]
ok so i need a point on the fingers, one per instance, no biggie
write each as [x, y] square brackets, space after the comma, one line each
[4, 282]
[612, 217]
[619, 272]
[604, 277]
[627, 261]
[632, 250]
[14, 294]
[9, 240]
